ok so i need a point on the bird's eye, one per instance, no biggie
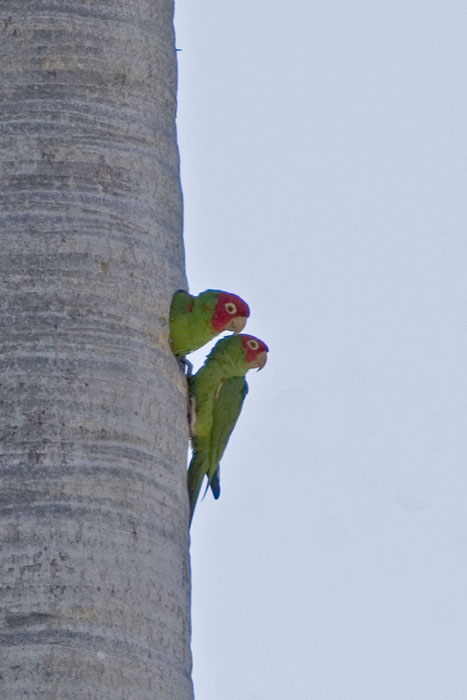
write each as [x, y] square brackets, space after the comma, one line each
[253, 344]
[230, 308]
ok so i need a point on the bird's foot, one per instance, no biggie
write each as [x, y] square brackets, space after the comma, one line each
[185, 365]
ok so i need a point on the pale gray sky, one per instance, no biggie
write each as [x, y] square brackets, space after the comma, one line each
[324, 167]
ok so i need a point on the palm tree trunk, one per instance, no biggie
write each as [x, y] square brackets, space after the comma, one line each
[94, 578]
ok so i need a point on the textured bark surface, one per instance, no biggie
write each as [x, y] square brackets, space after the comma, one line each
[94, 579]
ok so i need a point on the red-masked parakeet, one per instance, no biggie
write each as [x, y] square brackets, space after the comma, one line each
[195, 321]
[217, 392]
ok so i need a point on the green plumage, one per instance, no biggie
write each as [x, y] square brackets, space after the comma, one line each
[190, 317]
[209, 448]
[180, 305]
[217, 392]
[228, 405]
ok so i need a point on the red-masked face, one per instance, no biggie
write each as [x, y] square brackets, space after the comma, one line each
[230, 313]
[255, 350]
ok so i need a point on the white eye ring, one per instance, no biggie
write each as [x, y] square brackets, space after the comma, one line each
[253, 344]
[230, 308]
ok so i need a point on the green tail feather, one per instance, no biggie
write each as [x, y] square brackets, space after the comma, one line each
[196, 473]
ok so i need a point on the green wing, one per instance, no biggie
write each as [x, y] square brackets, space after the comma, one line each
[181, 304]
[190, 321]
[179, 318]
[227, 408]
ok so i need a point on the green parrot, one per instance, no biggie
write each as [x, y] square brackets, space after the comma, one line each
[217, 392]
[195, 321]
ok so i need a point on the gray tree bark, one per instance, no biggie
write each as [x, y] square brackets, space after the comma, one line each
[94, 579]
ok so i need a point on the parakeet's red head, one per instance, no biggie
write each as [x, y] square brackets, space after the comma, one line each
[255, 350]
[230, 313]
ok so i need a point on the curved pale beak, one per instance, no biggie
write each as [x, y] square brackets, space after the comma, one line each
[236, 324]
[261, 359]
